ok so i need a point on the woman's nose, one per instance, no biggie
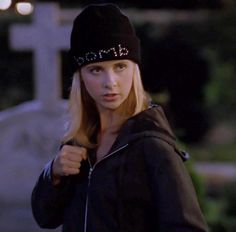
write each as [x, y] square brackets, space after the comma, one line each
[110, 80]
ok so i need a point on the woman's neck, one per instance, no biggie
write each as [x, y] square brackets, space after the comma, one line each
[110, 121]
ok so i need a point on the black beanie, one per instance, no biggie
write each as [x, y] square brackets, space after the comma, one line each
[100, 33]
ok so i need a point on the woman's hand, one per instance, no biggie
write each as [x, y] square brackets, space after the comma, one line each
[68, 162]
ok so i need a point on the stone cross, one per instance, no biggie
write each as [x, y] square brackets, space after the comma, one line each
[45, 37]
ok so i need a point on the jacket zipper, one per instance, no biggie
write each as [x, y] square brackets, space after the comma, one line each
[89, 178]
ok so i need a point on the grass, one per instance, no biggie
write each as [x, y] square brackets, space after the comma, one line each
[215, 153]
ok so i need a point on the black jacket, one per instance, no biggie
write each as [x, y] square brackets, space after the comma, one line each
[141, 186]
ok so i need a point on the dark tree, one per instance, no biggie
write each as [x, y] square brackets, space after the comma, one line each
[174, 65]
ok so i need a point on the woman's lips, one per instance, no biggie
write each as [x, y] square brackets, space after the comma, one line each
[110, 96]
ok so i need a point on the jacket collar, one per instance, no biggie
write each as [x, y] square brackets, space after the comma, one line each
[151, 122]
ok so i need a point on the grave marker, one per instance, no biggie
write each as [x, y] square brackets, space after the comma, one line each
[45, 37]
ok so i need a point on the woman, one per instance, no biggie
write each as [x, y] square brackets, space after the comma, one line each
[118, 168]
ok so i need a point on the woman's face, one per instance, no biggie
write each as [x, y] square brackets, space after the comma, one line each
[109, 82]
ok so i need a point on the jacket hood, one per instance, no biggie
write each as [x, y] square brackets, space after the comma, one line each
[150, 122]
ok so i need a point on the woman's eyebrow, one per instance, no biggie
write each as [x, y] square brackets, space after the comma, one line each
[94, 66]
[120, 62]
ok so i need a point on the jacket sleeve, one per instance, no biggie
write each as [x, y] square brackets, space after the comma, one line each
[173, 192]
[48, 202]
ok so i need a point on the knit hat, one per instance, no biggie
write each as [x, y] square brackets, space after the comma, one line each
[100, 33]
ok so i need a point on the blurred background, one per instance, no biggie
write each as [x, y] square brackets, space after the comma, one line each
[188, 66]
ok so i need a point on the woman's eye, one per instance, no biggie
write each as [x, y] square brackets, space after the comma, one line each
[120, 66]
[95, 70]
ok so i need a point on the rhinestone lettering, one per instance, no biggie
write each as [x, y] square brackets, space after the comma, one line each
[90, 56]
[118, 51]
[123, 51]
[107, 51]
[79, 60]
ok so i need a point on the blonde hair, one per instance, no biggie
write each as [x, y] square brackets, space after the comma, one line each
[84, 120]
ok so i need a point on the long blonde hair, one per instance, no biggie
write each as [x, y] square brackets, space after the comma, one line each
[84, 120]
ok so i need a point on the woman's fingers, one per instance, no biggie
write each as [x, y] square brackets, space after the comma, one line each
[74, 153]
[68, 160]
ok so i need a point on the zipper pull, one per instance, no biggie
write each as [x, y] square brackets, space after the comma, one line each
[90, 172]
